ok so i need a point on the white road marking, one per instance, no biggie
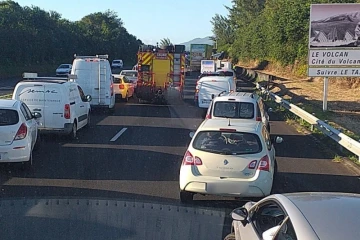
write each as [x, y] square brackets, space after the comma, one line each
[118, 135]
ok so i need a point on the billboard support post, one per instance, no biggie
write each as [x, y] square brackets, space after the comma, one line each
[326, 87]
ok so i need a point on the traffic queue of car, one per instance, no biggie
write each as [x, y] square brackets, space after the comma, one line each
[60, 105]
[233, 154]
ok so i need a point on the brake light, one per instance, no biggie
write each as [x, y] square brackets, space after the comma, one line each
[227, 130]
[67, 111]
[121, 86]
[190, 160]
[258, 119]
[252, 164]
[264, 164]
[21, 133]
[112, 89]
[208, 116]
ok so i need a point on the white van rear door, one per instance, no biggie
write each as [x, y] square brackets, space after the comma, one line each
[54, 106]
[207, 88]
[33, 95]
[104, 88]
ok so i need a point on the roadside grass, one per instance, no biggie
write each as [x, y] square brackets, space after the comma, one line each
[17, 71]
[7, 96]
[304, 127]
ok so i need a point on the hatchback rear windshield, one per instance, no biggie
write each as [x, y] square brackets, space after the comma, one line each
[64, 66]
[227, 143]
[130, 74]
[244, 110]
[117, 80]
[116, 61]
[226, 73]
[8, 117]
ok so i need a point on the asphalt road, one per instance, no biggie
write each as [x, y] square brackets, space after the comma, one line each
[143, 163]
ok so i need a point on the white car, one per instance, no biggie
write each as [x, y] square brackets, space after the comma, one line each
[62, 103]
[117, 63]
[63, 70]
[239, 106]
[18, 131]
[229, 159]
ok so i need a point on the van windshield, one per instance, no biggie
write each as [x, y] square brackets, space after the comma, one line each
[226, 109]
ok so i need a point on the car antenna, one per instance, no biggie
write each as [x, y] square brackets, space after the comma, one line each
[229, 122]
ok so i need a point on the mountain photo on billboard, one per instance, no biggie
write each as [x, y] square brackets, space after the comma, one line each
[341, 30]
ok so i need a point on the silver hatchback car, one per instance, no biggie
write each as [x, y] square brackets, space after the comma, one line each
[298, 216]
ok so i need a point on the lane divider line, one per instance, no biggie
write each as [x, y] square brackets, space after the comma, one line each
[118, 135]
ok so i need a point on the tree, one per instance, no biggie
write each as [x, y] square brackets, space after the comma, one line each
[165, 42]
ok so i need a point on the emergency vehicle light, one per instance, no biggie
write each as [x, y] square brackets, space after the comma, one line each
[30, 75]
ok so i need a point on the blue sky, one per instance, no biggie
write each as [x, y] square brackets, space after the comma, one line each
[149, 20]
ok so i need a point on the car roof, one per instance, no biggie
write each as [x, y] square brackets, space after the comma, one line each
[128, 71]
[45, 81]
[223, 123]
[331, 215]
[218, 78]
[238, 96]
[8, 103]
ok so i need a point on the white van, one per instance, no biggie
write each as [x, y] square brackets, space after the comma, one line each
[211, 86]
[95, 78]
[63, 106]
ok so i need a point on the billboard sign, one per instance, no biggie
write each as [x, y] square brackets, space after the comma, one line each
[197, 52]
[334, 40]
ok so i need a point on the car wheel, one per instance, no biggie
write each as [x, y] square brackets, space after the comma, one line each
[88, 121]
[73, 133]
[38, 139]
[126, 99]
[26, 165]
[186, 197]
[230, 236]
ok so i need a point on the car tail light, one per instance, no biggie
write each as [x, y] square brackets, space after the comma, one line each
[190, 160]
[258, 119]
[208, 116]
[227, 130]
[264, 164]
[252, 164]
[21, 133]
[67, 111]
[121, 86]
[112, 89]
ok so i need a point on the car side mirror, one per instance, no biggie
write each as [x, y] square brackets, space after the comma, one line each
[212, 96]
[240, 214]
[88, 98]
[191, 134]
[270, 233]
[277, 140]
[36, 115]
[270, 110]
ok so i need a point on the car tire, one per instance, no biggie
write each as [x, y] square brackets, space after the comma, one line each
[28, 164]
[186, 197]
[88, 121]
[38, 139]
[73, 133]
[230, 236]
[126, 99]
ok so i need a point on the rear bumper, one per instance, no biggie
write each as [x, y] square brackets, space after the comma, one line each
[258, 186]
[8, 154]
[61, 131]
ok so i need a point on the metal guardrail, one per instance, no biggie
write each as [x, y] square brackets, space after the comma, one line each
[342, 139]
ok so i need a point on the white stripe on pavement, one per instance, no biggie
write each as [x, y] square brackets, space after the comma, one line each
[118, 135]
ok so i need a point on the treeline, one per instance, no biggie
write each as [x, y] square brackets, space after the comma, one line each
[267, 30]
[31, 36]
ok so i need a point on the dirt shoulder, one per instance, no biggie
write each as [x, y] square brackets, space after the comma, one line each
[343, 98]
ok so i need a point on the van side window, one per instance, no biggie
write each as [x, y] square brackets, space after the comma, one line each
[25, 113]
[82, 94]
